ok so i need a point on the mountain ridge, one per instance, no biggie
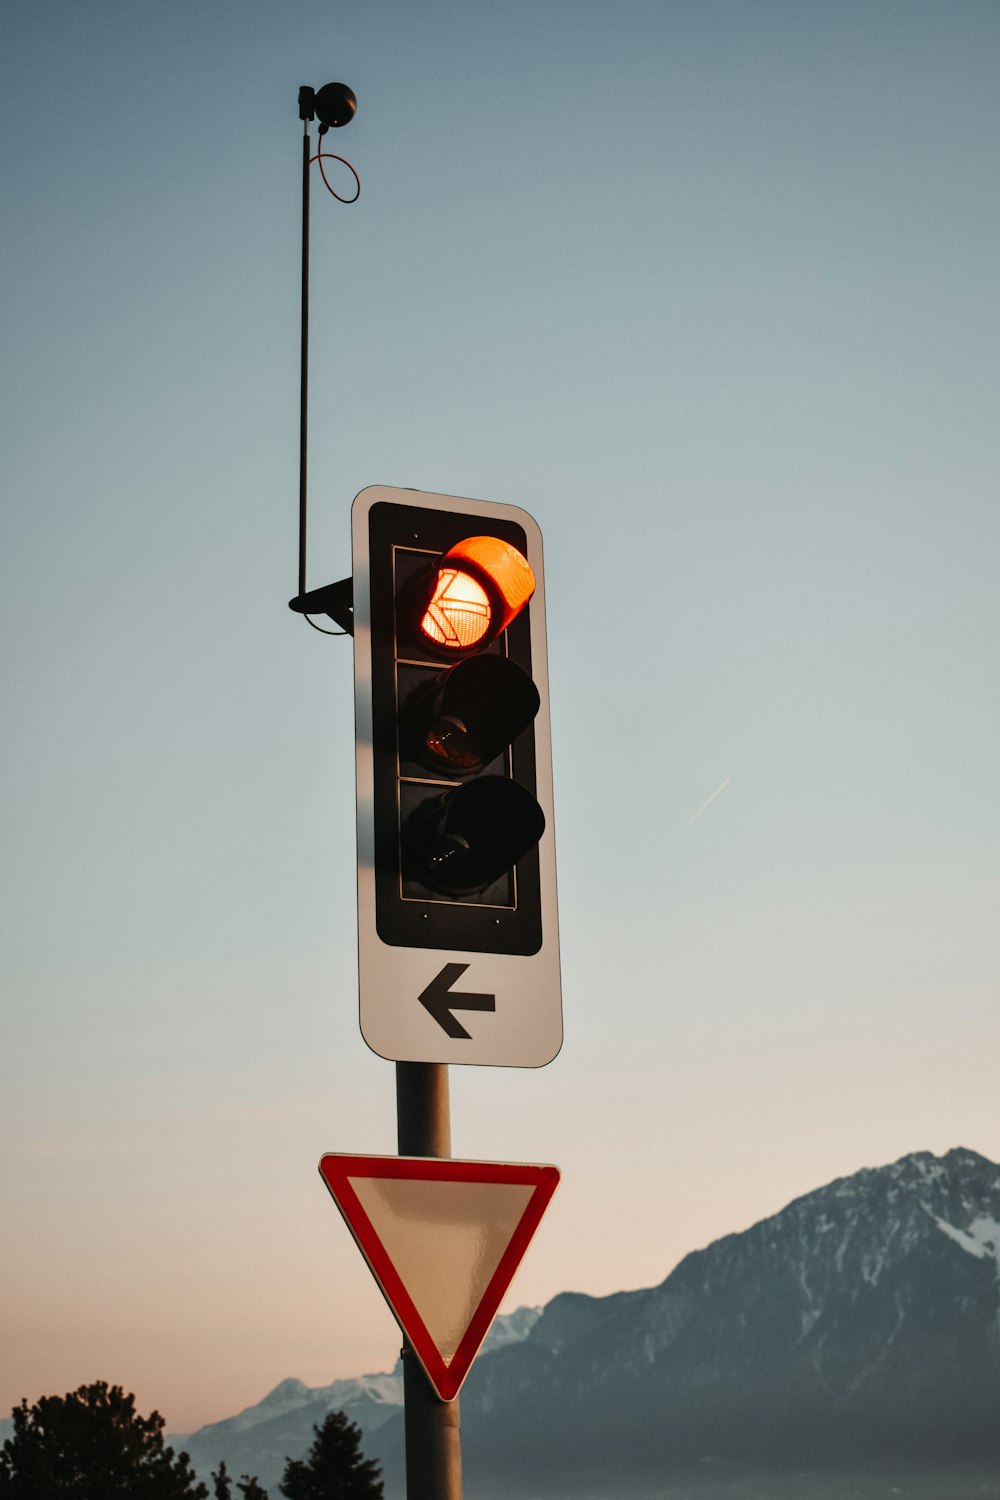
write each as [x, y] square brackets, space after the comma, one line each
[259, 1438]
[861, 1320]
[858, 1325]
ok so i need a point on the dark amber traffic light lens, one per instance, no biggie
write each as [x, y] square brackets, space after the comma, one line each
[450, 745]
[471, 714]
[482, 584]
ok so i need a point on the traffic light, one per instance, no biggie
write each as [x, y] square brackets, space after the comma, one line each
[454, 768]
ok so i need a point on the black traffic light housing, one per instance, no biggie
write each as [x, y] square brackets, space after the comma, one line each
[456, 817]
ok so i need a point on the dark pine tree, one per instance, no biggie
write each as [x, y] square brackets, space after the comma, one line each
[223, 1484]
[91, 1444]
[249, 1486]
[334, 1468]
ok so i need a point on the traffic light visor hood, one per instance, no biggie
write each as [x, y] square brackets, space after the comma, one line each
[482, 583]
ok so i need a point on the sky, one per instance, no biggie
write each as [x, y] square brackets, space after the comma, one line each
[709, 288]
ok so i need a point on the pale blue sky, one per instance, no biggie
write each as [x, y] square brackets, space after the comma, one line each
[710, 289]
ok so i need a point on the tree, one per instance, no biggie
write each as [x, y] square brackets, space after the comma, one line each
[334, 1468]
[91, 1444]
[248, 1485]
[223, 1484]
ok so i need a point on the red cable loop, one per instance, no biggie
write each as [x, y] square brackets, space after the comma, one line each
[330, 156]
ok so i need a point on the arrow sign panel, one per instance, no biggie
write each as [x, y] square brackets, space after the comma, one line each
[443, 1240]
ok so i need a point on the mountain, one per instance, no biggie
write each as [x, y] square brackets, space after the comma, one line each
[261, 1438]
[849, 1344]
[858, 1327]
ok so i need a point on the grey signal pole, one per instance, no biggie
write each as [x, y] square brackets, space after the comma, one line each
[423, 1124]
[433, 1426]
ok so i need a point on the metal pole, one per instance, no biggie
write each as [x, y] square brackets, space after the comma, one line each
[433, 1427]
[304, 364]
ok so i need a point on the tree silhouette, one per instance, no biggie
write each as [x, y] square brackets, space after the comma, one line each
[249, 1486]
[223, 1484]
[334, 1468]
[91, 1444]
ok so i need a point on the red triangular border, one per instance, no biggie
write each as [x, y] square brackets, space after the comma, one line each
[336, 1170]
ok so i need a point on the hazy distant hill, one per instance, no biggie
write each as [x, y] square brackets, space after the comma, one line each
[858, 1329]
[261, 1438]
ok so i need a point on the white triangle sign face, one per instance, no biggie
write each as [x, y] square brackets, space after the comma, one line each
[443, 1239]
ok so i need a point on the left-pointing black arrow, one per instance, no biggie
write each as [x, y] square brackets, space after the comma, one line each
[439, 1002]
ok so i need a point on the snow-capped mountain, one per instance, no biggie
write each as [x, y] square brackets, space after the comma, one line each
[259, 1439]
[856, 1330]
[859, 1325]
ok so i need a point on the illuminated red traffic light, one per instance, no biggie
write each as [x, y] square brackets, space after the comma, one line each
[459, 614]
[482, 584]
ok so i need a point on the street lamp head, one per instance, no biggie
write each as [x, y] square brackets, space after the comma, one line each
[335, 105]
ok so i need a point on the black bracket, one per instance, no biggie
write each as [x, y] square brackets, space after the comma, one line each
[335, 600]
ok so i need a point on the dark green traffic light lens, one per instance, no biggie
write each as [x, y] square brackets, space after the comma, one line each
[468, 838]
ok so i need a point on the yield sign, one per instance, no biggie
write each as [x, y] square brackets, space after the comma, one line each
[443, 1240]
